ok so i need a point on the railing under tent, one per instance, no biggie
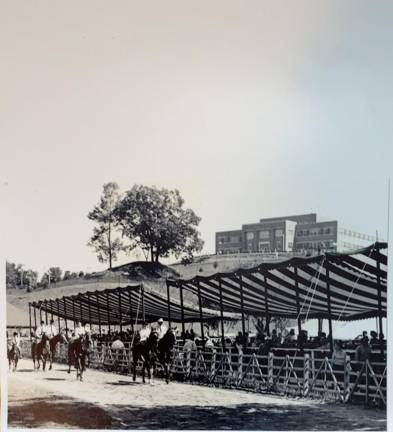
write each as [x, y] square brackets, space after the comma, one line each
[331, 286]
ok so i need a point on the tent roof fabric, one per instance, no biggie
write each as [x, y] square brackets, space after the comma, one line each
[300, 287]
[121, 305]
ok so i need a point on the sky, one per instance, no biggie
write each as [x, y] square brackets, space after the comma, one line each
[251, 109]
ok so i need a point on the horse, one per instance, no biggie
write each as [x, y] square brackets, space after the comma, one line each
[59, 338]
[40, 351]
[165, 346]
[80, 350]
[147, 352]
[13, 355]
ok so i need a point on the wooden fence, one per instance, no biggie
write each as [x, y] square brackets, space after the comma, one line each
[295, 375]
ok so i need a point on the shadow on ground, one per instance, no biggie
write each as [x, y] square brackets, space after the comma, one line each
[63, 412]
[58, 412]
[247, 417]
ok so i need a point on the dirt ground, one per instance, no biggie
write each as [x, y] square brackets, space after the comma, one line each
[103, 400]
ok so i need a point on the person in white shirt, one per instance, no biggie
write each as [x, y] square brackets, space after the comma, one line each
[79, 330]
[161, 328]
[40, 330]
[144, 332]
[52, 330]
[87, 328]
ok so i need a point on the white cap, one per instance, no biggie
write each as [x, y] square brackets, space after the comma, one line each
[160, 320]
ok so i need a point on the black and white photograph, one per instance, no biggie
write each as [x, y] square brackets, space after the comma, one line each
[197, 209]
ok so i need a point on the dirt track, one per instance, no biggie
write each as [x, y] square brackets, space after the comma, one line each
[104, 400]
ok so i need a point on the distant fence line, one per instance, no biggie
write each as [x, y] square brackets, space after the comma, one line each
[309, 375]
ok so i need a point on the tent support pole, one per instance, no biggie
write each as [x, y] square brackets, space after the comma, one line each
[88, 299]
[242, 310]
[200, 314]
[120, 312]
[379, 301]
[143, 302]
[130, 300]
[183, 330]
[46, 313]
[65, 315]
[108, 315]
[73, 311]
[30, 320]
[35, 318]
[168, 294]
[40, 314]
[98, 314]
[221, 315]
[267, 317]
[299, 321]
[329, 305]
[58, 313]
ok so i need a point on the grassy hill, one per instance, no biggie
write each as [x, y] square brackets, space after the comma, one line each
[152, 275]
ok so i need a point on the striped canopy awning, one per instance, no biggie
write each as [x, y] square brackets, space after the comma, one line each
[337, 286]
[123, 306]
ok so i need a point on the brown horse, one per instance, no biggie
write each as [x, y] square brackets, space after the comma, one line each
[40, 350]
[13, 355]
[147, 353]
[59, 338]
[80, 351]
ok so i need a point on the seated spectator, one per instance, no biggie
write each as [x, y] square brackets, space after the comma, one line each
[338, 357]
[290, 338]
[374, 341]
[275, 340]
[362, 352]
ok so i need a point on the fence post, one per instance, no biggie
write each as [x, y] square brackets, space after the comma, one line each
[239, 366]
[347, 377]
[306, 375]
[270, 371]
[312, 364]
[213, 364]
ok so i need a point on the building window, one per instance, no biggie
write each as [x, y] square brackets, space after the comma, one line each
[250, 236]
[327, 231]
[264, 234]
[234, 239]
[279, 233]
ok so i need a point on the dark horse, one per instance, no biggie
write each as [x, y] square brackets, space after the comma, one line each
[78, 351]
[59, 338]
[13, 355]
[40, 351]
[165, 346]
[147, 353]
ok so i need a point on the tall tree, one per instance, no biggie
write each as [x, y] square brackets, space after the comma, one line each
[104, 240]
[155, 220]
[55, 274]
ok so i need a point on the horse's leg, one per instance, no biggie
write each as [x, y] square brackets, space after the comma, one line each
[16, 363]
[50, 360]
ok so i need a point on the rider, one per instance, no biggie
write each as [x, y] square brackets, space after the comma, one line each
[16, 342]
[144, 332]
[41, 329]
[51, 329]
[79, 330]
[161, 328]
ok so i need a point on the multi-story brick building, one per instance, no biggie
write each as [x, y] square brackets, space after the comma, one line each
[291, 233]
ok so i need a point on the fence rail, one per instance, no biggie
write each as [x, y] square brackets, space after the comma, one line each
[291, 375]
